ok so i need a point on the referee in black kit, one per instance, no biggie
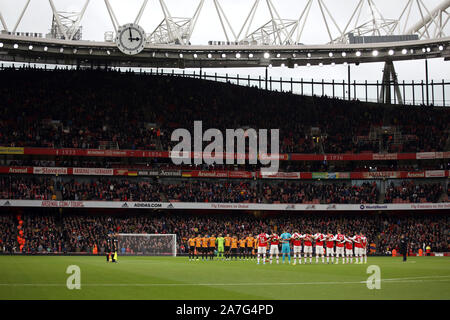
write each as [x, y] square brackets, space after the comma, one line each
[404, 246]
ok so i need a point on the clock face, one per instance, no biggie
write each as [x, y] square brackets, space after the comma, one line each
[130, 39]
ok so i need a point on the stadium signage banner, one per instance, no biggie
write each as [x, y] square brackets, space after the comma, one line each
[223, 206]
[435, 173]
[167, 154]
[280, 175]
[16, 170]
[11, 150]
[49, 170]
[226, 174]
[93, 171]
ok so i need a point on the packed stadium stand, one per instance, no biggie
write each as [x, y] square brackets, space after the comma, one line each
[79, 233]
[66, 140]
[68, 109]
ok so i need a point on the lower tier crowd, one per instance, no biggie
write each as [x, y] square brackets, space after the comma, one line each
[88, 233]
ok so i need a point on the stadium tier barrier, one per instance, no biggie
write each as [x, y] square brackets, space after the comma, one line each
[232, 174]
[223, 206]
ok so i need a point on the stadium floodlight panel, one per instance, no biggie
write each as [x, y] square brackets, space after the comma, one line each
[404, 51]
[250, 55]
[358, 53]
[309, 55]
[209, 55]
[181, 55]
[195, 56]
[108, 52]
[224, 55]
[15, 46]
[30, 47]
[278, 55]
[375, 53]
[441, 47]
[344, 54]
[1, 44]
[294, 55]
[266, 55]
[75, 51]
[391, 52]
[428, 49]
[330, 54]
[238, 55]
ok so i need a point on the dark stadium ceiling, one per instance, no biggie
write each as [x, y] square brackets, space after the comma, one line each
[91, 53]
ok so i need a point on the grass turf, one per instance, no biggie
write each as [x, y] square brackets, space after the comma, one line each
[44, 277]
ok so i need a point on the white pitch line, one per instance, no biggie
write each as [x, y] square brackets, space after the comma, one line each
[415, 279]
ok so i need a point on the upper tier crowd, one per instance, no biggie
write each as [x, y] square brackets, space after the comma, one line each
[223, 191]
[68, 109]
[46, 233]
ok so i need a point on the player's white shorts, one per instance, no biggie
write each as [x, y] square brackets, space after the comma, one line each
[297, 249]
[330, 251]
[262, 250]
[319, 250]
[360, 251]
[274, 249]
[363, 251]
[348, 252]
[308, 249]
[340, 251]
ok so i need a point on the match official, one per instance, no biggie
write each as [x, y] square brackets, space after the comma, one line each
[404, 246]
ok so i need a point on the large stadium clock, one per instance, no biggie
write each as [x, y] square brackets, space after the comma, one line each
[130, 39]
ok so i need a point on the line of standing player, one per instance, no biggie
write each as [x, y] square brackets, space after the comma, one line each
[225, 248]
[336, 245]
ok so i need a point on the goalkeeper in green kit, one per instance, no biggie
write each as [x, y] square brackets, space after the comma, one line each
[220, 246]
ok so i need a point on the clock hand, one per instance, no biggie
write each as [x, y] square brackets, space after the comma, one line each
[131, 36]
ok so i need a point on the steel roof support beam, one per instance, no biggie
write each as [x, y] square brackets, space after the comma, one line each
[3, 22]
[114, 20]
[78, 21]
[249, 20]
[428, 19]
[21, 16]
[172, 28]
[141, 11]
[58, 20]
[222, 16]
[194, 19]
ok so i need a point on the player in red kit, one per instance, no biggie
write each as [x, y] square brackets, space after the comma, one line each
[262, 240]
[349, 249]
[363, 247]
[307, 243]
[297, 242]
[274, 242]
[330, 247]
[358, 247]
[320, 238]
[340, 243]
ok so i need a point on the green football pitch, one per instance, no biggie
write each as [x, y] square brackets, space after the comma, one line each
[45, 277]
